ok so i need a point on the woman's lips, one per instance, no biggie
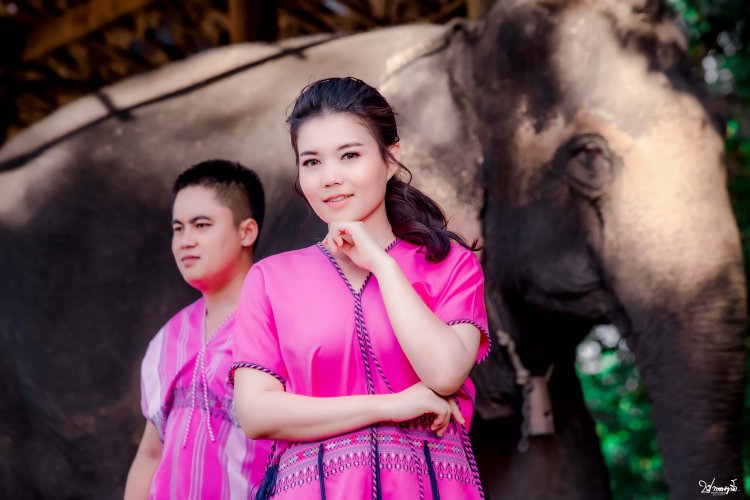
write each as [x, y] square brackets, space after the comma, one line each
[338, 200]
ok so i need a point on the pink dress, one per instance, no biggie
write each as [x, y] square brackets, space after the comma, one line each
[188, 413]
[301, 321]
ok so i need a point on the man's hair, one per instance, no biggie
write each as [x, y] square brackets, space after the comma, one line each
[236, 186]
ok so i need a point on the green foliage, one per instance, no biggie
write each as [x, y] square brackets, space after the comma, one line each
[720, 29]
[622, 412]
[719, 51]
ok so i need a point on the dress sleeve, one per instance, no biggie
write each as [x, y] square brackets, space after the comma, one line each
[152, 394]
[460, 294]
[256, 341]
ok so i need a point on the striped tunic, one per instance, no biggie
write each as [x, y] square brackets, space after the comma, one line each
[185, 394]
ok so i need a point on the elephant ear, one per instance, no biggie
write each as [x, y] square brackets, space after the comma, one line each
[446, 161]
[452, 175]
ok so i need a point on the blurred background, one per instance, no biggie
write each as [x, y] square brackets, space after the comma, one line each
[55, 51]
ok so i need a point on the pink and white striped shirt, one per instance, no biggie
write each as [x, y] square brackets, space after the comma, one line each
[205, 454]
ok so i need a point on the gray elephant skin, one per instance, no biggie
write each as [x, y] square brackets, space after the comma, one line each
[568, 136]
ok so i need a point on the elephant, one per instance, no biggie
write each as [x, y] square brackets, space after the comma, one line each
[568, 137]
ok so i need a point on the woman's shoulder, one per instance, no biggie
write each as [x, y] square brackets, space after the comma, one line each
[458, 251]
[290, 257]
[289, 264]
[416, 256]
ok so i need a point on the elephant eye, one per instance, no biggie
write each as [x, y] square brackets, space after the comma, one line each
[588, 164]
[589, 153]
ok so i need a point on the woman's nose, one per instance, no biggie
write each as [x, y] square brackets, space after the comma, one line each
[331, 175]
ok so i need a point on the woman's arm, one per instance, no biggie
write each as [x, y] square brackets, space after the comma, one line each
[144, 465]
[265, 411]
[441, 355]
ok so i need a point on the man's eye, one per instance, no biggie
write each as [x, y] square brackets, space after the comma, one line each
[310, 163]
[201, 225]
[350, 155]
[176, 229]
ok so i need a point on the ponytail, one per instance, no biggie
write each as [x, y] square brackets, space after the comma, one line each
[417, 219]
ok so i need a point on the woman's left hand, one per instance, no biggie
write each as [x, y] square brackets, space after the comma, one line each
[356, 242]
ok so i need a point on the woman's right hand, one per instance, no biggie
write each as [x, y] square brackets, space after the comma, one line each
[420, 400]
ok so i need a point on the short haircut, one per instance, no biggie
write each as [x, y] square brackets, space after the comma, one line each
[236, 186]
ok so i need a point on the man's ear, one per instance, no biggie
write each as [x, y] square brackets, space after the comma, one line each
[393, 161]
[248, 232]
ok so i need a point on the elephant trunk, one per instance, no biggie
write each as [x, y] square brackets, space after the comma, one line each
[690, 351]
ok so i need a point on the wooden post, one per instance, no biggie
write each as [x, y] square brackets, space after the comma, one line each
[475, 8]
[11, 38]
[253, 20]
[378, 8]
[77, 22]
[359, 14]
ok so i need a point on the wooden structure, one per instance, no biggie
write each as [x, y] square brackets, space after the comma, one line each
[58, 50]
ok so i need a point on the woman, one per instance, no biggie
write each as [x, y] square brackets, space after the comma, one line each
[354, 353]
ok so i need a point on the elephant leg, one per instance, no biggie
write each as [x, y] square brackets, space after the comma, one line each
[565, 466]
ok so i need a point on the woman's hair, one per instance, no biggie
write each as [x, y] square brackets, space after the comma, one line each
[414, 216]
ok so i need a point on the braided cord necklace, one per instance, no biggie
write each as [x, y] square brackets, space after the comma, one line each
[200, 364]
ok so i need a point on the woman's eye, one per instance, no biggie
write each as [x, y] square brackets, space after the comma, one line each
[350, 155]
[310, 163]
[176, 229]
[201, 225]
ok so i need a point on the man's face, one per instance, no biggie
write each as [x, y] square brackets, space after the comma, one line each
[206, 243]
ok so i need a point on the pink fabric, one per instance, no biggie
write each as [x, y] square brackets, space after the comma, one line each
[225, 469]
[298, 320]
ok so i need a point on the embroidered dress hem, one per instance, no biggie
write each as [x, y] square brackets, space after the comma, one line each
[404, 472]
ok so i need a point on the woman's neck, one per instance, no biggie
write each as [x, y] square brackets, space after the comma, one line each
[378, 226]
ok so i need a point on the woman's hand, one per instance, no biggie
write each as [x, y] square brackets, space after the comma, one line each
[420, 400]
[356, 242]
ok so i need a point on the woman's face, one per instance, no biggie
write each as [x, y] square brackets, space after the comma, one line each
[341, 172]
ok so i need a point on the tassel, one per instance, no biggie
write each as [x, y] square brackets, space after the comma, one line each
[321, 475]
[431, 472]
[378, 486]
[268, 484]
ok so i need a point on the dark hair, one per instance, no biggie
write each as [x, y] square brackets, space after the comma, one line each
[237, 187]
[414, 216]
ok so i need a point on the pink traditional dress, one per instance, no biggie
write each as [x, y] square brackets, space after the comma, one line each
[300, 320]
[186, 395]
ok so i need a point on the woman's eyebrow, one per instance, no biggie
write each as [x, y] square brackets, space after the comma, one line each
[343, 146]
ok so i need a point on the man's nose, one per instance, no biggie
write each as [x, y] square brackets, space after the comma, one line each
[187, 238]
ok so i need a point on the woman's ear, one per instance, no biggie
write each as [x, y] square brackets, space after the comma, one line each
[394, 159]
[248, 232]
